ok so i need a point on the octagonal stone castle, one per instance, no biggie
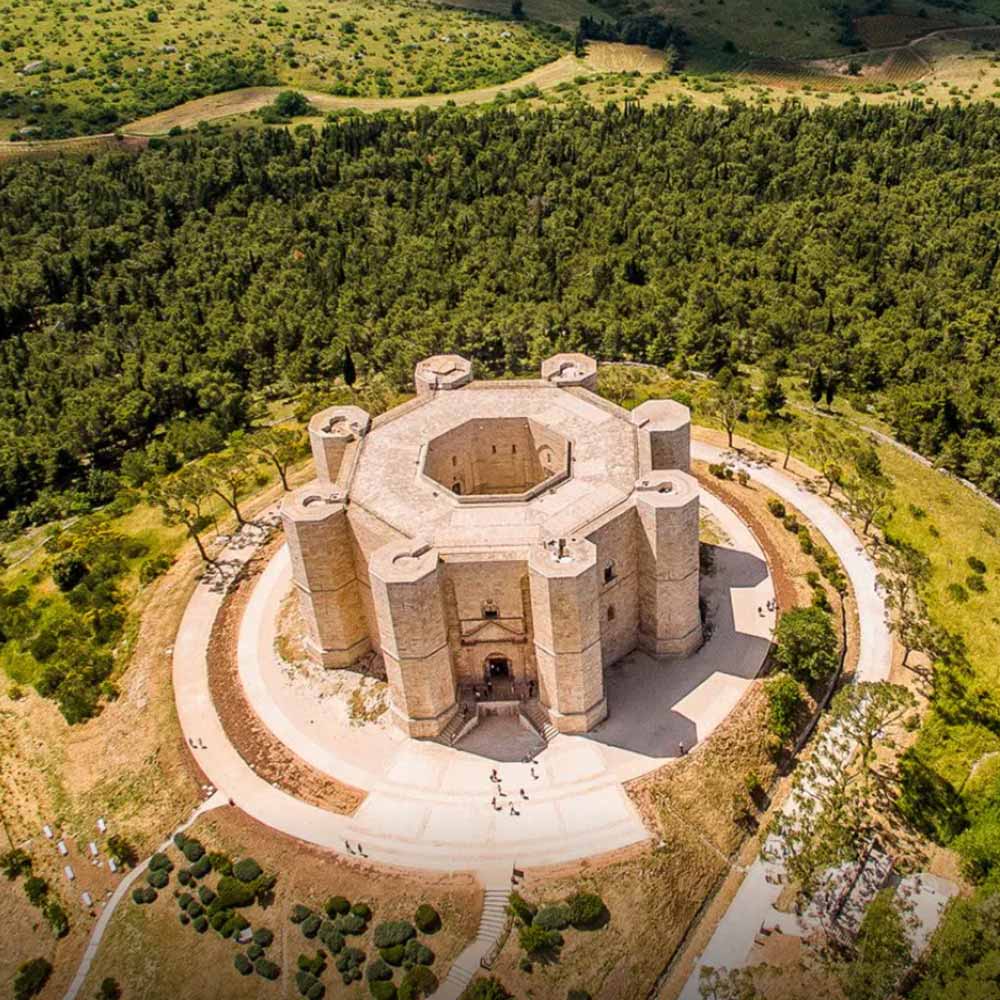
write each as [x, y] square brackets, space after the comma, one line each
[499, 543]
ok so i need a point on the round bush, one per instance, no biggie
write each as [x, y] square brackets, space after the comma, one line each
[379, 970]
[317, 992]
[299, 913]
[382, 991]
[393, 955]
[310, 925]
[157, 879]
[427, 919]
[219, 920]
[232, 892]
[265, 968]
[521, 908]
[552, 918]
[184, 918]
[184, 877]
[184, 900]
[206, 895]
[149, 894]
[200, 924]
[247, 870]
[976, 564]
[160, 862]
[976, 583]
[263, 936]
[349, 923]
[179, 841]
[332, 939]
[243, 964]
[337, 905]
[194, 908]
[417, 984]
[393, 932]
[193, 849]
[304, 982]
[362, 910]
[201, 867]
[586, 909]
[417, 953]
[254, 952]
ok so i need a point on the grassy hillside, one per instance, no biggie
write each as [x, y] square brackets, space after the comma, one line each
[66, 67]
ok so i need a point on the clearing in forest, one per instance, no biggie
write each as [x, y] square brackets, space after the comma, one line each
[67, 70]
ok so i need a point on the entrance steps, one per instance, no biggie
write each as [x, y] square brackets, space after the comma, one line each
[494, 926]
[465, 719]
[539, 720]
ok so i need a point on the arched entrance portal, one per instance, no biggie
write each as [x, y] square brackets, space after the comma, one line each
[499, 677]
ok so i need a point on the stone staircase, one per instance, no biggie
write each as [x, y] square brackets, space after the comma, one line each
[459, 725]
[493, 928]
[539, 720]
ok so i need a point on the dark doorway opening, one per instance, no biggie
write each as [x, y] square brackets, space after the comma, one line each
[498, 667]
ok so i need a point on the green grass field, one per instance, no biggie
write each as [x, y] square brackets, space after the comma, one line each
[93, 66]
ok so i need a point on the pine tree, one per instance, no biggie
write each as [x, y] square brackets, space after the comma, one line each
[350, 372]
[816, 384]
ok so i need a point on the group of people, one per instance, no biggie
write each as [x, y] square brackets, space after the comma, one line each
[501, 794]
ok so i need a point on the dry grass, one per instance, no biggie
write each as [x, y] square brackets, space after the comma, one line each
[153, 957]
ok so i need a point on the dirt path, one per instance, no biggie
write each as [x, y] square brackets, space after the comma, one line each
[240, 102]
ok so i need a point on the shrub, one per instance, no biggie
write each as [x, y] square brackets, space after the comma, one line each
[418, 983]
[291, 104]
[200, 924]
[247, 870]
[337, 905]
[362, 910]
[552, 918]
[193, 849]
[417, 953]
[254, 951]
[314, 965]
[784, 701]
[265, 968]
[201, 868]
[157, 879]
[776, 507]
[393, 932]
[232, 892]
[806, 644]
[36, 889]
[184, 918]
[578, 995]
[821, 600]
[57, 918]
[586, 910]
[536, 941]
[805, 542]
[331, 937]
[350, 923]
[221, 864]
[263, 936]
[304, 982]
[31, 978]
[427, 919]
[179, 841]
[144, 895]
[521, 908]
[310, 926]
[379, 969]
[109, 989]
[243, 964]
[976, 583]
[382, 990]
[486, 989]
[394, 955]
[184, 900]
[976, 565]
[743, 477]
[299, 913]
[184, 877]
[206, 895]
[194, 908]
[958, 593]
[349, 963]
[791, 523]
[160, 862]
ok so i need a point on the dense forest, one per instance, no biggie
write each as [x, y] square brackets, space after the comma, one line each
[145, 298]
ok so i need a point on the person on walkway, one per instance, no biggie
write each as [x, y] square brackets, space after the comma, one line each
[681, 750]
[347, 844]
[523, 796]
[513, 811]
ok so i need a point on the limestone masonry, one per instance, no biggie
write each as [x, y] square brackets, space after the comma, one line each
[498, 542]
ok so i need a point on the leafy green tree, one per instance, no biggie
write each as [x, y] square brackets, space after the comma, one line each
[903, 573]
[227, 476]
[784, 702]
[348, 370]
[806, 643]
[486, 989]
[281, 446]
[291, 104]
[771, 397]
[728, 403]
[31, 978]
[180, 500]
[880, 954]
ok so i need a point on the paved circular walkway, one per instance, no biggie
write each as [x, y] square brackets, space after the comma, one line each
[429, 806]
